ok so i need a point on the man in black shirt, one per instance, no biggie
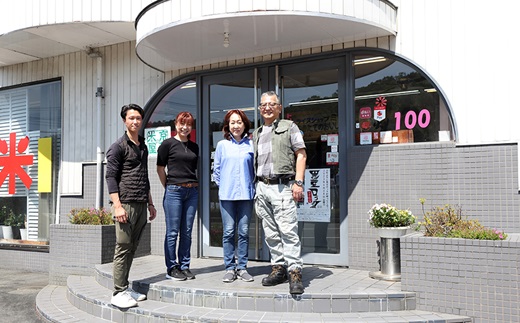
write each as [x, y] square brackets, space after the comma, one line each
[129, 189]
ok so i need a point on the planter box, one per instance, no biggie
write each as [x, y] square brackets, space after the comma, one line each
[476, 278]
[75, 249]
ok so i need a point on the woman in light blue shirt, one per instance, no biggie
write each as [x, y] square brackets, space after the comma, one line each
[234, 174]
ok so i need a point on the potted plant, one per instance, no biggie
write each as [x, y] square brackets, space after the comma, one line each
[17, 223]
[7, 231]
[3, 216]
[391, 223]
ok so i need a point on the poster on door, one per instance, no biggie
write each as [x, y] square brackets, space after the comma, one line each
[154, 137]
[316, 204]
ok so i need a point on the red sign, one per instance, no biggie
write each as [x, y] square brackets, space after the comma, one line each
[365, 125]
[12, 163]
[365, 113]
[380, 109]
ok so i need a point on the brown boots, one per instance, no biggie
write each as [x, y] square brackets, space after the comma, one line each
[279, 275]
[295, 281]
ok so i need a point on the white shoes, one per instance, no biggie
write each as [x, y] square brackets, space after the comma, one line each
[123, 300]
[127, 298]
[136, 295]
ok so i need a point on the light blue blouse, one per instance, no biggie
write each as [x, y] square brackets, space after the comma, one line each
[233, 169]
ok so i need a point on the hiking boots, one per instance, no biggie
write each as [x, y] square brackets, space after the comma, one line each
[295, 281]
[277, 276]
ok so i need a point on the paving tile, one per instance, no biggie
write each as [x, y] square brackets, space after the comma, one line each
[331, 295]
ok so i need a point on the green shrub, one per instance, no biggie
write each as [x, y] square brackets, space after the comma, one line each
[4, 213]
[447, 221]
[90, 216]
[15, 220]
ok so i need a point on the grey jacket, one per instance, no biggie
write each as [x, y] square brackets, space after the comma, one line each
[284, 160]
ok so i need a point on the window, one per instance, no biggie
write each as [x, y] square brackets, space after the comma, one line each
[32, 112]
[394, 103]
[179, 99]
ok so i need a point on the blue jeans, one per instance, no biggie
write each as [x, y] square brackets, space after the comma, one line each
[180, 206]
[235, 218]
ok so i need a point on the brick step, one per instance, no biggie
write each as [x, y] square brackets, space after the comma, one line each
[53, 306]
[85, 293]
[327, 290]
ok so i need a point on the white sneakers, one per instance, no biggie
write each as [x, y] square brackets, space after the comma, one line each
[136, 295]
[127, 298]
[123, 300]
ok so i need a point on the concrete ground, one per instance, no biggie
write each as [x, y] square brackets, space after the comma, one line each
[18, 292]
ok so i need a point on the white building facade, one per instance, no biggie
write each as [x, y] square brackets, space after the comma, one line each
[397, 101]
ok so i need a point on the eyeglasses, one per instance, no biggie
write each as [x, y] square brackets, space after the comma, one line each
[270, 104]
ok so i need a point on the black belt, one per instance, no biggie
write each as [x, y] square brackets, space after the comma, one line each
[275, 181]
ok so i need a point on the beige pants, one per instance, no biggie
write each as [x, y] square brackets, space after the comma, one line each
[275, 205]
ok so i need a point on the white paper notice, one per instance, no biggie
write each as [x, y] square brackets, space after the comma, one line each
[365, 138]
[154, 137]
[386, 137]
[332, 140]
[444, 135]
[316, 204]
[332, 159]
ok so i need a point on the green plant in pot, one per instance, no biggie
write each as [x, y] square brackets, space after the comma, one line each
[388, 216]
[4, 214]
[391, 223]
[90, 216]
[17, 220]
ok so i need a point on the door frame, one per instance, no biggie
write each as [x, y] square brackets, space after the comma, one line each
[205, 166]
[268, 78]
[340, 259]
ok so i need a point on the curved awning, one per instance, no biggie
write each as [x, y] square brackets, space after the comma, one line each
[172, 36]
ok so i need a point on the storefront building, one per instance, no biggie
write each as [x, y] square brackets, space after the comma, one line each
[393, 102]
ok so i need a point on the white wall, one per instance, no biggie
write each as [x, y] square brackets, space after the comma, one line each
[33, 13]
[469, 48]
[126, 80]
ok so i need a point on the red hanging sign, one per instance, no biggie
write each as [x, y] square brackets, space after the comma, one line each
[380, 109]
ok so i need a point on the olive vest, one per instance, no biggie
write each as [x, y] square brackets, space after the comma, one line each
[284, 161]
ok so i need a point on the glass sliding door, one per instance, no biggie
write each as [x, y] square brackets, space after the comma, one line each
[236, 90]
[312, 96]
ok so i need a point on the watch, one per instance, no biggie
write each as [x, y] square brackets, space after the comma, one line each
[299, 183]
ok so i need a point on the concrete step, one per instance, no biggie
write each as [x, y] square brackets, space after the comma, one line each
[84, 292]
[331, 295]
[327, 290]
[53, 306]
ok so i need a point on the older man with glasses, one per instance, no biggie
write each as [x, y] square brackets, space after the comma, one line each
[280, 158]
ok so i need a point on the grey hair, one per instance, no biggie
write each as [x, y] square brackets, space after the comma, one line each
[271, 93]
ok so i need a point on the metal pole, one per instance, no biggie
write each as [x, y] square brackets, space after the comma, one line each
[100, 154]
[390, 260]
[390, 256]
